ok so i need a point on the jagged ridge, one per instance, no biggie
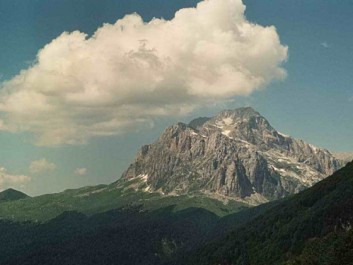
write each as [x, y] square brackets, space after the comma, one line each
[236, 154]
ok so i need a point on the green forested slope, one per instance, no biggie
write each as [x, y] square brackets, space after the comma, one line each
[313, 227]
[120, 224]
[98, 199]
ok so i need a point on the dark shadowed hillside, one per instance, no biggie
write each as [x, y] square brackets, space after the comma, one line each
[313, 227]
[12, 195]
[126, 236]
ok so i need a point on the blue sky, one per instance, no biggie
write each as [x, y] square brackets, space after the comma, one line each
[314, 102]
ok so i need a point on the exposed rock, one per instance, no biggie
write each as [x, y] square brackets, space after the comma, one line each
[236, 154]
[345, 157]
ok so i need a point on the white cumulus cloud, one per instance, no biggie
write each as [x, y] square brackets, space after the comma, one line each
[8, 180]
[131, 72]
[80, 171]
[41, 165]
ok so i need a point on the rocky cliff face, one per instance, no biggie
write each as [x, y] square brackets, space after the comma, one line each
[344, 157]
[235, 154]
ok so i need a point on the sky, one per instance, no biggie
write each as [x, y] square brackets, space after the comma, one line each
[81, 92]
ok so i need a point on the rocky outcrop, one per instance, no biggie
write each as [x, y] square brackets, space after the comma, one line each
[235, 154]
[345, 157]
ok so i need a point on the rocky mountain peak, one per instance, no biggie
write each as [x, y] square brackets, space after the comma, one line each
[346, 157]
[243, 124]
[230, 118]
[236, 154]
[245, 113]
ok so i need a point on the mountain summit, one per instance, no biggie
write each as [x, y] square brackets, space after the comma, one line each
[12, 195]
[236, 154]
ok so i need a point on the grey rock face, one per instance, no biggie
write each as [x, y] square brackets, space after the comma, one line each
[345, 157]
[234, 154]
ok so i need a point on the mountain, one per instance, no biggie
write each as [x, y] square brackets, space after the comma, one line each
[123, 194]
[125, 225]
[185, 200]
[234, 155]
[345, 157]
[125, 237]
[12, 195]
[312, 227]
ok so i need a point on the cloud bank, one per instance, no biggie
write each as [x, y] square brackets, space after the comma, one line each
[8, 180]
[41, 166]
[131, 72]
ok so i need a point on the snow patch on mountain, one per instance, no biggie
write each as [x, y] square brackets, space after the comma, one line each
[236, 154]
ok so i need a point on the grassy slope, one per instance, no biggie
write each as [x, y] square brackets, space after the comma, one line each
[313, 227]
[129, 235]
[97, 199]
[125, 225]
